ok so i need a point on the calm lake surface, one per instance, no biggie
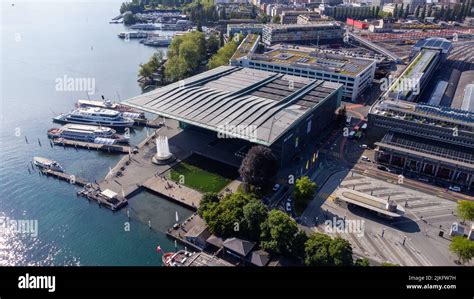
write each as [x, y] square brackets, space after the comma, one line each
[43, 42]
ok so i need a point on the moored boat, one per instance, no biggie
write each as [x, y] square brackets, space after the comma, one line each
[95, 116]
[86, 133]
[107, 104]
[45, 163]
[176, 259]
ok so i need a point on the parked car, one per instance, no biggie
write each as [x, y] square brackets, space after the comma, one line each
[288, 206]
[276, 187]
[384, 168]
[364, 146]
[365, 158]
[289, 199]
[455, 188]
[424, 180]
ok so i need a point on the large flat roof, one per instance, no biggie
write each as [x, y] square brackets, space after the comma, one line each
[254, 105]
[318, 60]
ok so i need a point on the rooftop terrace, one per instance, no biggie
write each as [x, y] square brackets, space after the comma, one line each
[317, 60]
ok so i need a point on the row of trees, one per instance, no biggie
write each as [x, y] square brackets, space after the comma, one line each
[187, 52]
[148, 69]
[243, 215]
[223, 54]
[139, 6]
[184, 57]
[202, 12]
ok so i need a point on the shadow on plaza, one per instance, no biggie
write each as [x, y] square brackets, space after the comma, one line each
[403, 223]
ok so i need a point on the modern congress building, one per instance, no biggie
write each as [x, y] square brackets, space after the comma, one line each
[356, 74]
[280, 111]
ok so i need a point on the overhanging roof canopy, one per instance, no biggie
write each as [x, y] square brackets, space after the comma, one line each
[254, 105]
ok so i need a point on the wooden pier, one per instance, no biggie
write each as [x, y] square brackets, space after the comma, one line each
[72, 179]
[105, 198]
[115, 148]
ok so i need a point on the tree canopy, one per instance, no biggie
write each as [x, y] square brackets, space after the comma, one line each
[465, 209]
[462, 248]
[321, 250]
[259, 168]
[237, 214]
[185, 54]
[317, 250]
[304, 189]
[278, 233]
[223, 55]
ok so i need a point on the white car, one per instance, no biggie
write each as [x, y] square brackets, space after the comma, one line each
[455, 188]
[364, 146]
[365, 158]
[288, 206]
[276, 187]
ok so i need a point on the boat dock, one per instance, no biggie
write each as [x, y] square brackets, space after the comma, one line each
[115, 148]
[106, 198]
[72, 179]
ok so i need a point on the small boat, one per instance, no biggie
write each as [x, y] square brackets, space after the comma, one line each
[132, 34]
[159, 41]
[44, 163]
[176, 259]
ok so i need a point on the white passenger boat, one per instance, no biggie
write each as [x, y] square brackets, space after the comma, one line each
[86, 133]
[96, 116]
[47, 164]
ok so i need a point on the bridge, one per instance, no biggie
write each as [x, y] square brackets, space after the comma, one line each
[374, 47]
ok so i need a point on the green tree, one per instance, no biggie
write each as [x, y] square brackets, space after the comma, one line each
[147, 69]
[362, 262]
[278, 232]
[462, 248]
[223, 55]
[258, 168]
[207, 202]
[304, 189]
[276, 19]
[129, 19]
[226, 217]
[465, 209]
[255, 213]
[341, 252]
[213, 44]
[185, 54]
[317, 250]
[298, 245]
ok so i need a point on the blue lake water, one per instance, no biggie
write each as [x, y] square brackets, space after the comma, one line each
[42, 41]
